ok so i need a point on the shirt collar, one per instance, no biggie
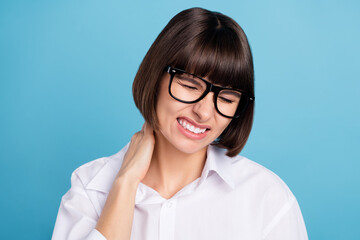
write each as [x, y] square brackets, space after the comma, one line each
[104, 179]
[216, 161]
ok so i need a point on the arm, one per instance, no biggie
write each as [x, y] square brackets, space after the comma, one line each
[287, 224]
[77, 217]
[116, 219]
[282, 218]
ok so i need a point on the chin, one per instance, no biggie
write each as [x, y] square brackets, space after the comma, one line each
[188, 147]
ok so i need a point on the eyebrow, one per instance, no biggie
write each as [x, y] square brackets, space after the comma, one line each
[231, 92]
[190, 79]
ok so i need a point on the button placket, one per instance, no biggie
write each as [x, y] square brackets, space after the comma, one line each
[167, 220]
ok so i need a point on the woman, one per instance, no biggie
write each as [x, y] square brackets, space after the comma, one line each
[181, 176]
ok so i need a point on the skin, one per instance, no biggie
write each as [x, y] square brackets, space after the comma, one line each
[177, 159]
[165, 160]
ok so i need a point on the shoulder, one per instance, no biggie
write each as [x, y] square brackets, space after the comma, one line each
[262, 181]
[90, 169]
[279, 211]
[98, 174]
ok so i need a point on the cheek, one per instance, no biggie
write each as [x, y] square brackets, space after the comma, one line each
[224, 125]
[167, 107]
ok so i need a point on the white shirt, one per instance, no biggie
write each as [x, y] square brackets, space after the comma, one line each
[235, 198]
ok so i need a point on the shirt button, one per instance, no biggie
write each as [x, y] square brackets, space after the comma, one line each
[169, 204]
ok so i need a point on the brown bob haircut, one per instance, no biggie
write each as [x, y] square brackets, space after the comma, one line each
[208, 44]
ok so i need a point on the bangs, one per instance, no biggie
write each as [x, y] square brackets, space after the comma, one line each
[219, 56]
[210, 45]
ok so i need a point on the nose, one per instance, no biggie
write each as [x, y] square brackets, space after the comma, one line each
[204, 109]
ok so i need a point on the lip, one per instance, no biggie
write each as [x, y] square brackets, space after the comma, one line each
[195, 124]
[189, 134]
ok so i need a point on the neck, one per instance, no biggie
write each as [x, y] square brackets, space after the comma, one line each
[170, 169]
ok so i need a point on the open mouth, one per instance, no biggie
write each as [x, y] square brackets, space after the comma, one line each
[190, 127]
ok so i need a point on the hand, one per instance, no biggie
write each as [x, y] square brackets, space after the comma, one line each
[138, 156]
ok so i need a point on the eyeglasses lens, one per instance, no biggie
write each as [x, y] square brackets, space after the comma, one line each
[189, 88]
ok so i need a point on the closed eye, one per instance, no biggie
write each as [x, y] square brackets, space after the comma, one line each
[190, 87]
[226, 100]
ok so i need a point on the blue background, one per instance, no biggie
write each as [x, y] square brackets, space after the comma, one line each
[66, 70]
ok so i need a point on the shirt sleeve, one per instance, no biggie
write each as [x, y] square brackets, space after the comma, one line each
[77, 217]
[282, 216]
[287, 224]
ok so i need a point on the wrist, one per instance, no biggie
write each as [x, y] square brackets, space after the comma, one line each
[127, 180]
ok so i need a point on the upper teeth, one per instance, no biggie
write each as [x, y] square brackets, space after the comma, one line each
[190, 127]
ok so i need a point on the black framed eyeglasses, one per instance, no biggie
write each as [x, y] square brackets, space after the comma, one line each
[189, 88]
